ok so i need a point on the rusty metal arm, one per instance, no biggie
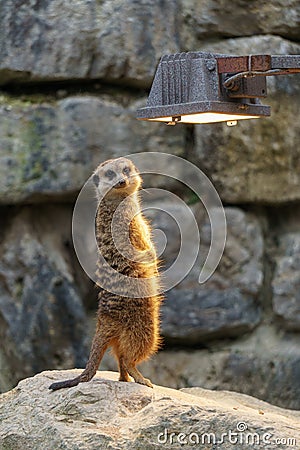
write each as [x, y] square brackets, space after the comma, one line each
[250, 66]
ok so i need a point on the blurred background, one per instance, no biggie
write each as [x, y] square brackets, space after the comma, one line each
[72, 75]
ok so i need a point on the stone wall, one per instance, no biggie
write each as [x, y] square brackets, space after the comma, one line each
[72, 75]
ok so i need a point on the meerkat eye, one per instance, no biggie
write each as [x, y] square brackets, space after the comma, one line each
[110, 174]
[126, 170]
[96, 179]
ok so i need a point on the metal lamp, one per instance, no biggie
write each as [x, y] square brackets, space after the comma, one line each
[197, 87]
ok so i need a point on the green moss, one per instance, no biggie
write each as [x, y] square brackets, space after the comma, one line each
[18, 288]
[31, 155]
[11, 101]
[36, 170]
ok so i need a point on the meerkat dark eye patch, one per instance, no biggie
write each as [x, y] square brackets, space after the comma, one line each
[110, 174]
[96, 179]
[126, 170]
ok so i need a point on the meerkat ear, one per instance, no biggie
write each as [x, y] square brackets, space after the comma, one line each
[96, 179]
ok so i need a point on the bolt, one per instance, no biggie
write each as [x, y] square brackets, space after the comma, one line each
[211, 64]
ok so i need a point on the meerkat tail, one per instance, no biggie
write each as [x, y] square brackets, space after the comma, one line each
[64, 384]
[97, 351]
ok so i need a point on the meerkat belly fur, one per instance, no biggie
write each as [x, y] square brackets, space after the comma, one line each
[127, 323]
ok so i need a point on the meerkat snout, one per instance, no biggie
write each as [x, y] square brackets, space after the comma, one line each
[121, 183]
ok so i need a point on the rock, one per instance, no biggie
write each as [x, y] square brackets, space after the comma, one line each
[191, 317]
[105, 413]
[264, 364]
[275, 372]
[32, 35]
[241, 264]
[107, 128]
[119, 41]
[37, 158]
[132, 36]
[286, 282]
[43, 323]
[228, 303]
[218, 19]
[49, 149]
[258, 160]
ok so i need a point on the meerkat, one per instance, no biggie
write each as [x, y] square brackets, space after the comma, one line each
[127, 322]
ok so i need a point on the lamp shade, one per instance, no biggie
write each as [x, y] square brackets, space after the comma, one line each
[188, 88]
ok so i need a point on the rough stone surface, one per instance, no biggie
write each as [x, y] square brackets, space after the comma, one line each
[228, 303]
[133, 37]
[43, 323]
[207, 19]
[264, 364]
[191, 317]
[258, 160]
[32, 35]
[286, 282]
[109, 414]
[241, 264]
[119, 40]
[36, 157]
[50, 149]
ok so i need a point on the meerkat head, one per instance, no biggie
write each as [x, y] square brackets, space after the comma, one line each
[116, 178]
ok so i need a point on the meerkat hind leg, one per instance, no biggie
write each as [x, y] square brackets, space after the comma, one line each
[123, 372]
[137, 376]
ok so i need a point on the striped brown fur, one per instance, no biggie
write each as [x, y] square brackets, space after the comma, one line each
[127, 323]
